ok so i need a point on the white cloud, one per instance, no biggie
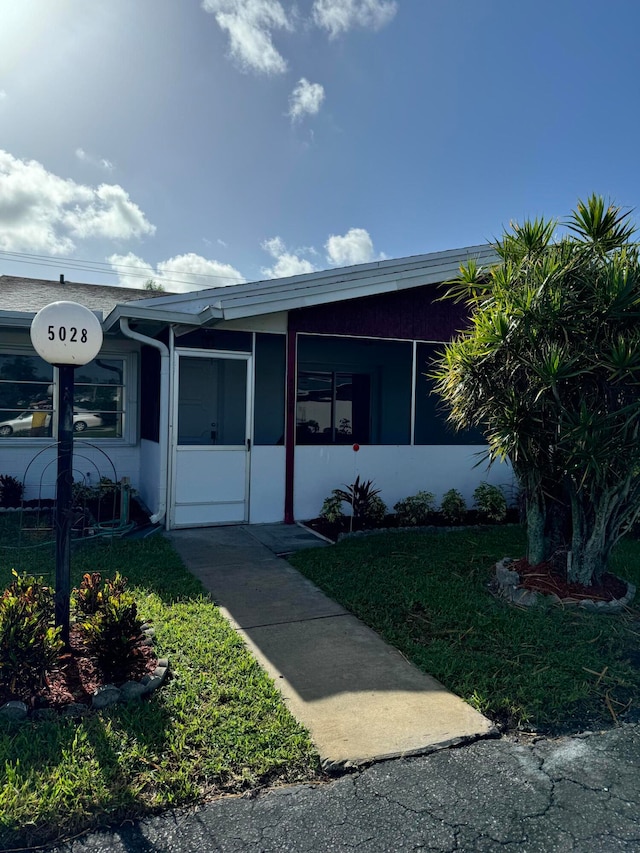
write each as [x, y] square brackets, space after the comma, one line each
[42, 212]
[110, 213]
[354, 247]
[306, 99]
[92, 160]
[132, 271]
[3, 94]
[250, 24]
[180, 274]
[340, 16]
[286, 263]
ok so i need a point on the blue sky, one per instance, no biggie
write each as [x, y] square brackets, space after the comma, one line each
[202, 142]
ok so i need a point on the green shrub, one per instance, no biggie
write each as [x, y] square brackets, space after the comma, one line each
[83, 492]
[453, 506]
[111, 625]
[29, 644]
[375, 511]
[88, 597]
[415, 510]
[332, 508]
[11, 491]
[490, 502]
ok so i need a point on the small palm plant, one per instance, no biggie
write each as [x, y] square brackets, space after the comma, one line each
[366, 506]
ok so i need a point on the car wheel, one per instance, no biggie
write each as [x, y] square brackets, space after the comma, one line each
[79, 426]
[5, 430]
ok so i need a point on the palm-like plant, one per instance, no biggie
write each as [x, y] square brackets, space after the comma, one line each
[550, 370]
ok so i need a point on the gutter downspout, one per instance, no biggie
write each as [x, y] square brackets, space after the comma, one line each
[160, 515]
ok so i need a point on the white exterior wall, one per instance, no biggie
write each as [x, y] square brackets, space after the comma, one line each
[266, 495]
[149, 474]
[398, 470]
[36, 465]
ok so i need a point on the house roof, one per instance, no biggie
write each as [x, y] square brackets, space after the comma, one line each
[21, 298]
[302, 291]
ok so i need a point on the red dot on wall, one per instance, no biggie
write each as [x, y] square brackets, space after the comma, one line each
[356, 447]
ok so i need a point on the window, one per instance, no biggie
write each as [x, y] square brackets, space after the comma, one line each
[333, 408]
[98, 400]
[27, 397]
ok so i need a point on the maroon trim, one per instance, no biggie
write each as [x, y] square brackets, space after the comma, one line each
[290, 428]
[415, 314]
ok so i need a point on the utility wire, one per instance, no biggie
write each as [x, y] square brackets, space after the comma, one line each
[103, 268]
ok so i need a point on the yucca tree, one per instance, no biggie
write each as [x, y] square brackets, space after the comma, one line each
[549, 368]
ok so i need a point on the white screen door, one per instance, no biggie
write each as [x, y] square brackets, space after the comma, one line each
[211, 428]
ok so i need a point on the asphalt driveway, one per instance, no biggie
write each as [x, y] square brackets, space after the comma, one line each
[577, 793]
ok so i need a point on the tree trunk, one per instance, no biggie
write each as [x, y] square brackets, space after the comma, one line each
[536, 540]
[590, 546]
[548, 525]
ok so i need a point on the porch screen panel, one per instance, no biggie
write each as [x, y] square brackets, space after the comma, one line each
[431, 417]
[212, 401]
[269, 399]
[353, 390]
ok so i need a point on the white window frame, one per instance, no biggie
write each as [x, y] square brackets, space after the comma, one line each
[129, 402]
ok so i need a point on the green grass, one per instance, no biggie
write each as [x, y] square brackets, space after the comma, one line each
[546, 668]
[218, 726]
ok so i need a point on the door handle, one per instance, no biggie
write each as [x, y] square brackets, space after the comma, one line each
[248, 444]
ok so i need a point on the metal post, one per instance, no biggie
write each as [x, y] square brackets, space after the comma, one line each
[63, 498]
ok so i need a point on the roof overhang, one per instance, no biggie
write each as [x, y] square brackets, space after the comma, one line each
[251, 299]
[23, 319]
[166, 316]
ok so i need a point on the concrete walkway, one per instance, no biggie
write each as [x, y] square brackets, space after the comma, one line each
[360, 699]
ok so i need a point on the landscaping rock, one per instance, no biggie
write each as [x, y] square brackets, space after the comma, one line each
[523, 597]
[631, 591]
[508, 586]
[43, 714]
[105, 696]
[75, 710]
[132, 691]
[151, 683]
[14, 711]
[504, 575]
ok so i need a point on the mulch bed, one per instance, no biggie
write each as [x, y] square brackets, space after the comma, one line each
[333, 529]
[79, 675]
[546, 579]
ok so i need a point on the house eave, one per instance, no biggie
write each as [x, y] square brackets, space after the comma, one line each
[158, 315]
[23, 319]
[338, 291]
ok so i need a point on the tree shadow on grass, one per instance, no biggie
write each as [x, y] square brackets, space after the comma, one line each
[113, 791]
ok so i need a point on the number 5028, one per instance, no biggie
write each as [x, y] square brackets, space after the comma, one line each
[72, 334]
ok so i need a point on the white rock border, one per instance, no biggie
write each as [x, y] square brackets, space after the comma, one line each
[508, 586]
[104, 697]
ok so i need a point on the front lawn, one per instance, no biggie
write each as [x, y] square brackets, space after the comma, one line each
[218, 726]
[547, 668]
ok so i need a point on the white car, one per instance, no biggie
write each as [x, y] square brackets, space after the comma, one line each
[23, 423]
